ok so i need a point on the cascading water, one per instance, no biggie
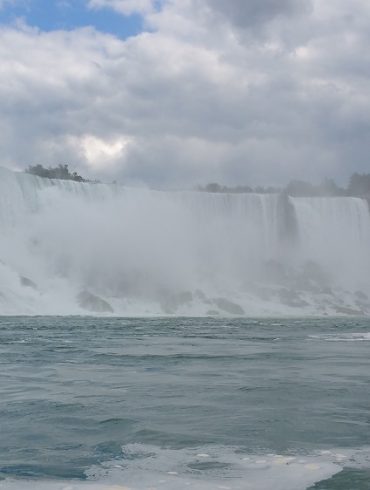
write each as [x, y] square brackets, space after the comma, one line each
[79, 248]
[335, 232]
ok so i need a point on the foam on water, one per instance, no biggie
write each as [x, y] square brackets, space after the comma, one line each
[150, 468]
[344, 337]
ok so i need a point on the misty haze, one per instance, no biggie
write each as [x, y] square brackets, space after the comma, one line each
[184, 244]
[79, 248]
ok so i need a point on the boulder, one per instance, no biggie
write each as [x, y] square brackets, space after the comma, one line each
[228, 306]
[171, 302]
[93, 303]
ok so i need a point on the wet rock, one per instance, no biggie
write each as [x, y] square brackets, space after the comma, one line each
[345, 310]
[172, 302]
[199, 294]
[276, 272]
[93, 303]
[314, 272]
[291, 298]
[228, 306]
[265, 293]
[361, 296]
[362, 301]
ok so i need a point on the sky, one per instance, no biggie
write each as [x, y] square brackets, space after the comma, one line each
[179, 93]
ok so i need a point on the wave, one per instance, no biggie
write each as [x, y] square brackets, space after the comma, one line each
[206, 468]
[344, 337]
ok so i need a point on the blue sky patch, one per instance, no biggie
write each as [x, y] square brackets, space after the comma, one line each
[50, 15]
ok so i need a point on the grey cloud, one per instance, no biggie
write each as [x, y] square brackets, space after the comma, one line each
[176, 111]
[251, 13]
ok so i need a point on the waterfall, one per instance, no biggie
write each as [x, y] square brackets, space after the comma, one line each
[335, 231]
[74, 248]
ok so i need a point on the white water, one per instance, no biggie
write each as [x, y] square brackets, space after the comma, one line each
[150, 468]
[148, 252]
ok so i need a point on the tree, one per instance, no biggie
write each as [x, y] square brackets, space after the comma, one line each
[359, 185]
[330, 188]
[300, 188]
[59, 172]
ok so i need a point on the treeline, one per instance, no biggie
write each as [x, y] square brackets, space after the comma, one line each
[59, 172]
[240, 189]
[358, 186]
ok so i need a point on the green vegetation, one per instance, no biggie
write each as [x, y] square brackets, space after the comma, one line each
[214, 187]
[59, 172]
[359, 186]
[301, 188]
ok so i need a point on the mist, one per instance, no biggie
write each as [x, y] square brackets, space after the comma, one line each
[82, 248]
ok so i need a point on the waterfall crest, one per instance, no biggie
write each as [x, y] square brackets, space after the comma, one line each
[80, 248]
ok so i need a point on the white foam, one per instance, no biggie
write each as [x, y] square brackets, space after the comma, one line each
[343, 337]
[150, 468]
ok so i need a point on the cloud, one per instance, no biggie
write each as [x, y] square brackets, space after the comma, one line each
[101, 153]
[239, 92]
[250, 13]
[125, 7]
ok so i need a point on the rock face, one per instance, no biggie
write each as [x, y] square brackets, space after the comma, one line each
[93, 303]
[228, 306]
[290, 297]
[172, 302]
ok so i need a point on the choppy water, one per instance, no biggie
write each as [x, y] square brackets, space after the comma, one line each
[184, 403]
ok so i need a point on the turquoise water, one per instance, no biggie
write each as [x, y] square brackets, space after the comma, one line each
[184, 403]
